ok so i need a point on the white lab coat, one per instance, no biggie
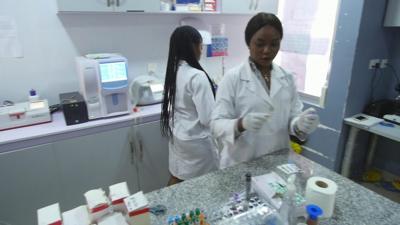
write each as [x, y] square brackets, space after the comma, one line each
[239, 93]
[192, 152]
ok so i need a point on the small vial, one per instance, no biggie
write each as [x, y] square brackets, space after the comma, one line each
[33, 96]
[248, 186]
[313, 212]
[248, 189]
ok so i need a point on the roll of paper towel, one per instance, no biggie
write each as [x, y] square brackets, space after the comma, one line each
[321, 191]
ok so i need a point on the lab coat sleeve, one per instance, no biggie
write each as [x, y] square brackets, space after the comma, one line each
[203, 98]
[296, 106]
[223, 117]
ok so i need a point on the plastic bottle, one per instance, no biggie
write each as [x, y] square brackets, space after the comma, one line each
[33, 96]
[288, 208]
[313, 212]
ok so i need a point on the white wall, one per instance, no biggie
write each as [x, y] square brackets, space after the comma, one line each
[51, 41]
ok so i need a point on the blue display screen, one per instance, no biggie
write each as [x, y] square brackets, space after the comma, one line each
[114, 71]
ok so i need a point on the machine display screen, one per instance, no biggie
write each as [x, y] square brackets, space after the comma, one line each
[114, 71]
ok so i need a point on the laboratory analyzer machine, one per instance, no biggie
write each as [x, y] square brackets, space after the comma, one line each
[103, 82]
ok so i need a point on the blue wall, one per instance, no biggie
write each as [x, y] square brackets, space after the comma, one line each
[323, 145]
[360, 37]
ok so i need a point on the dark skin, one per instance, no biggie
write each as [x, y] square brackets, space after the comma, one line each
[263, 47]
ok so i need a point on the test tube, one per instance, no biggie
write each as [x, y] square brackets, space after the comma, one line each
[248, 186]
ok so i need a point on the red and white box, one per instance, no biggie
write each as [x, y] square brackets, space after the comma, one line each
[76, 216]
[49, 215]
[138, 209]
[210, 5]
[98, 204]
[118, 192]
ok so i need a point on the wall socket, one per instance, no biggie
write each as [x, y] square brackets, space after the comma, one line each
[378, 63]
[374, 64]
[383, 63]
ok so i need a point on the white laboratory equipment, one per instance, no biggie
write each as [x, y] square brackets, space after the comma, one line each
[146, 90]
[24, 114]
[103, 80]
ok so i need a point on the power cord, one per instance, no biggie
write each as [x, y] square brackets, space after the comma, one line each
[7, 103]
[397, 88]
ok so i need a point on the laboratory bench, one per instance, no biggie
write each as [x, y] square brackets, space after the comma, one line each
[355, 205]
[56, 130]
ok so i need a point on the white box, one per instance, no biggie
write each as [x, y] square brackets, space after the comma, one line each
[262, 185]
[76, 216]
[49, 215]
[118, 192]
[138, 209]
[97, 203]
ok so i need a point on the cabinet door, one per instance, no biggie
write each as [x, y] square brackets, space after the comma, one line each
[137, 5]
[94, 161]
[85, 5]
[270, 6]
[235, 6]
[153, 163]
[249, 6]
[28, 181]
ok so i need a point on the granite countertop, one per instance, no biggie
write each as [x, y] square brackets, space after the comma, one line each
[355, 205]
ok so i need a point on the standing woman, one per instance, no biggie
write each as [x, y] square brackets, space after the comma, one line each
[257, 104]
[187, 106]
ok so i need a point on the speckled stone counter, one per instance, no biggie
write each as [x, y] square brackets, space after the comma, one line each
[355, 205]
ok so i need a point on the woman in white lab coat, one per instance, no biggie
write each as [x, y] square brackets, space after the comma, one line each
[187, 106]
[257, 105]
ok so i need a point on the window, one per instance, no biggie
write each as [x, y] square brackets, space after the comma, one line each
[306, 48]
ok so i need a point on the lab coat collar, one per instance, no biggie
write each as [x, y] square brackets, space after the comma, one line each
[251, 82]
[278, 78]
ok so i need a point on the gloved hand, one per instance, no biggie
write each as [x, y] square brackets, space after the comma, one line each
[254, 121]
[308, 121]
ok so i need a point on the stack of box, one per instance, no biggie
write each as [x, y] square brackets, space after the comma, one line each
[119, 209]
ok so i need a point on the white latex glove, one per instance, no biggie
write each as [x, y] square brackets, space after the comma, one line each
[308, 121]
[254, 121]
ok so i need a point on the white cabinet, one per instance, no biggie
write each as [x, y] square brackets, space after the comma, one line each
[63, 171]
[153, 157]
[109, 5]
[137, 5]
[94, 161]
[392, 18]
[28, 181]
[249, 6]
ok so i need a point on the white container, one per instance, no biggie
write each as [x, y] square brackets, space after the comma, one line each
[118, 192]
[49, 215]
[138, 209]
[76, 216]
[98, 204]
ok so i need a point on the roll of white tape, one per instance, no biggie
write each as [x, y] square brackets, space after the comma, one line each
[321, 191]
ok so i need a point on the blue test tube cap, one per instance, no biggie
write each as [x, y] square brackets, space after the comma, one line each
[313, 211]
[32, 92]
[177, 218]
[171, 220]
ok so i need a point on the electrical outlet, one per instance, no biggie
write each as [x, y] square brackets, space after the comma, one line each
[151, 68]
[383, 63]
[374, 63]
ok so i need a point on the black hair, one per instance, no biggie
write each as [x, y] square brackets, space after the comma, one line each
[260, 20]
[182, 45]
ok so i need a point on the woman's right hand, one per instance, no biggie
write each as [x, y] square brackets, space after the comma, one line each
[252, 121]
